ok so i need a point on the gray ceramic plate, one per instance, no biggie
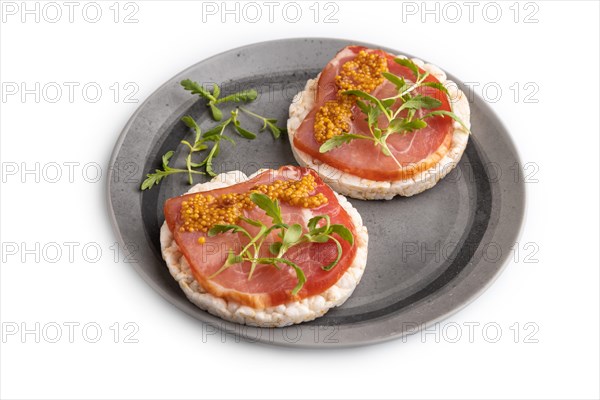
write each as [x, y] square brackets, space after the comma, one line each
[429, 255]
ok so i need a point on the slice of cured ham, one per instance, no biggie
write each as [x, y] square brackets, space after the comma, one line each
[268, 286]
[416, 151]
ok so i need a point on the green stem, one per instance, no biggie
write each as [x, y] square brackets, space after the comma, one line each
[188, 161]
[256, 254]
[410, 89]
[253, 114]
[385, 146]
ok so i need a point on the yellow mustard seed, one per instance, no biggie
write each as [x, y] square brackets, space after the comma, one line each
[200, 213]
[361, 73]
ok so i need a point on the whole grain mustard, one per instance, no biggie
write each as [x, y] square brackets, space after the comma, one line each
[201, 212]
[361, 73]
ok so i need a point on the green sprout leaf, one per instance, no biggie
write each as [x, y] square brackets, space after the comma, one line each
[269, 123]
[330, 266]
[419, 101]
[365, 96]
[291, 235]
[404, 125]
[446, 114]
[314, 221]
[244, 133]
[270, 207]
[339, 140]
[344, 233]
[322, 238]
[408, 63]
[436, 85]
[196, 88]
[299, 274]
[216, 112]
[244, 96]
[216, 91]
[398, 81]
[275, 247]
[232, 259]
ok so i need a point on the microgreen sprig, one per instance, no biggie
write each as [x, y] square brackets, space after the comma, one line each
[270, 123]
[214, 135]
[373, 108]
[211, 139]
[289, 235]
[160, 174]
[196, 147]
[212, 98]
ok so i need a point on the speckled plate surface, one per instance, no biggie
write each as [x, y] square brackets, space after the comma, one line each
[429, 255]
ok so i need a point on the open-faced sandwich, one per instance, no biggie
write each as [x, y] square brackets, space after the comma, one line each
[375, 126]
[274, 249]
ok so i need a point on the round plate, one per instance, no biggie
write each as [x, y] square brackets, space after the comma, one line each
[429, 255]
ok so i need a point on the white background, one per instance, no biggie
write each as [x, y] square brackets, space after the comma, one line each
[175, 356]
